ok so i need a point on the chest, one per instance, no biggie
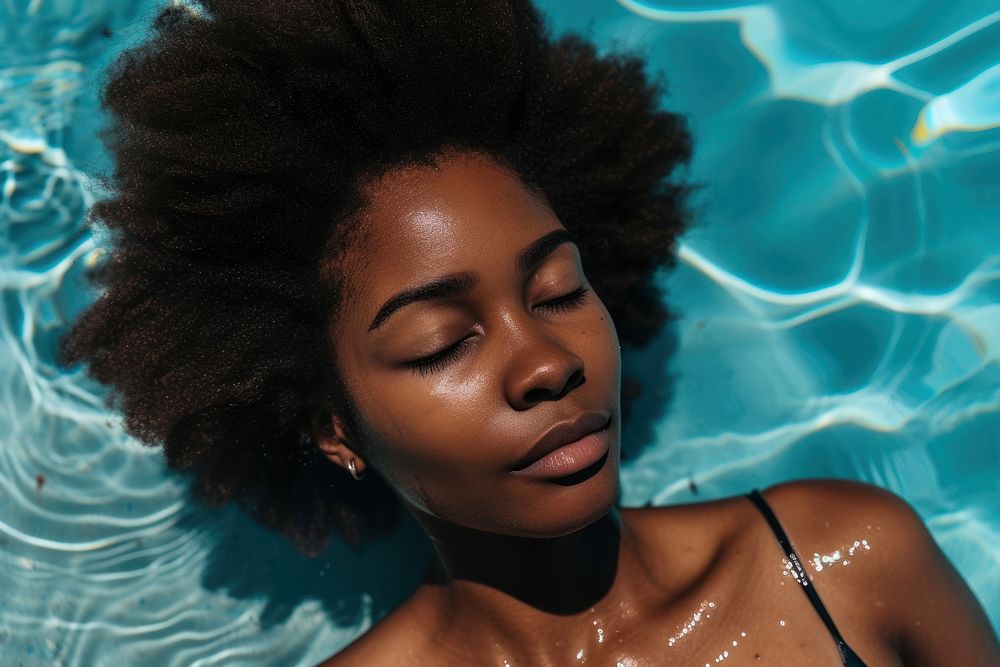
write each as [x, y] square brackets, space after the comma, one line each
[754, 615]
[764, 623]
[747, 614]
[743, 609]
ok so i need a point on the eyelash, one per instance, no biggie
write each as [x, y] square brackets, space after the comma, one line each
[439, 360]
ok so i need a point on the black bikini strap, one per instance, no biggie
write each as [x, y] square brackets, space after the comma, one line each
[810, 590]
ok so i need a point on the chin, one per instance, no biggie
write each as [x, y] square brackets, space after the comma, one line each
[568, 507]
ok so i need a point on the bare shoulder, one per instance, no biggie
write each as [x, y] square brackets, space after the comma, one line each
[819, 515]
[824, 516]
[896, 570]
[828, 508]
[398, 639]
[836, 523]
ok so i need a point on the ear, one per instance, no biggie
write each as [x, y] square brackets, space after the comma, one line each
[332, 439]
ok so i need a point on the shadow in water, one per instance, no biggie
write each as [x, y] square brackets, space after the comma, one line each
[647, 390]
[249, 561]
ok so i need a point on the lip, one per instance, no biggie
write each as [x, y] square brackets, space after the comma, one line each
[567, 447]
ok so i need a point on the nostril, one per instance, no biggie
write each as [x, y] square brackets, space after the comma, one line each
[575, 379]
[537, 395]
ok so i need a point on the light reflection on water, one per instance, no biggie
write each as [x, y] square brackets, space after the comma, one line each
[838, 299]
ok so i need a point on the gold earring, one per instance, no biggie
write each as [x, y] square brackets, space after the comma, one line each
[352, 468]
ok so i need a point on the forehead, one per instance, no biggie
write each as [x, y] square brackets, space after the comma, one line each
[467, 213]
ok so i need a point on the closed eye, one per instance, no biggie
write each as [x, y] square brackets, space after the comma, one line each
[566, 302]
[438, 360]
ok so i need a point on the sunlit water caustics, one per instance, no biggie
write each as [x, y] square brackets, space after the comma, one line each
[837, 300]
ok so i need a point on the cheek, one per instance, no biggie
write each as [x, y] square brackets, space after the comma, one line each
[427, 439]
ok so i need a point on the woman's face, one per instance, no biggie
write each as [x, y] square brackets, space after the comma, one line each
[468, 331]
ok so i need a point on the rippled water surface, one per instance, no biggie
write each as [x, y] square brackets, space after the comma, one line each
[838, 300]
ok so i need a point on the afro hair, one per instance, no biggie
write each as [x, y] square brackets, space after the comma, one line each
[242, 132]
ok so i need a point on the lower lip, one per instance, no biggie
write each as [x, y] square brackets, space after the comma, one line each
[571, 457]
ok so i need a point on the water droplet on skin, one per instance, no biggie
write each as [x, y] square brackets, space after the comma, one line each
[781, 622]
[696, 618]
[819, 562]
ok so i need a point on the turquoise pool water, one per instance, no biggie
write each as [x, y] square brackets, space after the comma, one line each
[838, 300]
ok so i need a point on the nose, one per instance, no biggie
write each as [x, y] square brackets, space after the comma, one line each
[542, 368]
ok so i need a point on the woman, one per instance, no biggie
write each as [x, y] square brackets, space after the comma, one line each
[366, 258]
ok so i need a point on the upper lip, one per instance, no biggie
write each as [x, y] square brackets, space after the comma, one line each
[564, 433]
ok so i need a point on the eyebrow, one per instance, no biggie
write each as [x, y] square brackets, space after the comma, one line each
[455, 284]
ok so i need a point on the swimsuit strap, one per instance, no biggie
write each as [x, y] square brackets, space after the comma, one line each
[847, 655]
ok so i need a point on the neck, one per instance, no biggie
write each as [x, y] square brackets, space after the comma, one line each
[523, 589]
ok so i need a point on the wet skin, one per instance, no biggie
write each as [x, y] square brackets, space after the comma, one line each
[452, 391]
[514, 349]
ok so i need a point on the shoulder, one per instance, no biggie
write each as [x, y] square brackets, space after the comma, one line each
[822, 516]
[828, 521]
[817, 514]
[399, 639]
[872, 560]
[898, 572]
[832, 507]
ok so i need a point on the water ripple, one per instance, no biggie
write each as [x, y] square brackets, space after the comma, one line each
[839, 299]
